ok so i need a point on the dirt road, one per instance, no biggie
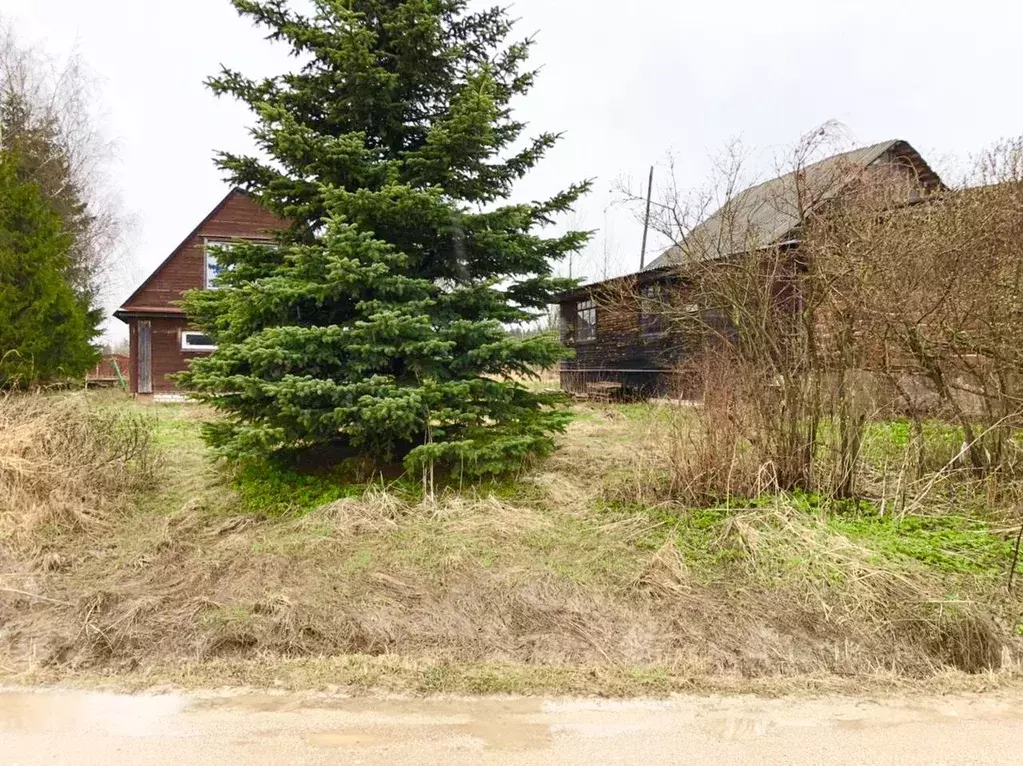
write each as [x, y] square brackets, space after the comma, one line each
[78, 728]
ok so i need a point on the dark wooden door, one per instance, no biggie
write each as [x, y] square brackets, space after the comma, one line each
[145, 370]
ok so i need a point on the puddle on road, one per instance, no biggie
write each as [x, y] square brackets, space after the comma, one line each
[434, 708]
[491, 734]
[495, 724]
[741, 728]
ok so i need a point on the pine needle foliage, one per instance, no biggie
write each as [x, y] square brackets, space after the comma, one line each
[376, 326]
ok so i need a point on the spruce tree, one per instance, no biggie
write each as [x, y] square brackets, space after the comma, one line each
[47, 328]
[377, 323]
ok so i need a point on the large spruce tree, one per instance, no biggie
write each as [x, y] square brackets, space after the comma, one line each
[377, 324]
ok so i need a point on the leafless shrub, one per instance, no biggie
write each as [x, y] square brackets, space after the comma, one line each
[711, 456]
[927, 293]
[889, 293]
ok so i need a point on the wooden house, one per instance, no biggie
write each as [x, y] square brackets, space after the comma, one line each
[161, 339]
[622, 343]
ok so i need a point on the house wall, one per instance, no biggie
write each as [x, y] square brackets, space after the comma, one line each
[239, 216]
[166, 353]
[648, 364]
[642, 363]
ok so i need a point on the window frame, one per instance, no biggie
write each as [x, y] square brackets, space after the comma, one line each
[191, 348]
[650, 323]
[581, 308]
[207, 258]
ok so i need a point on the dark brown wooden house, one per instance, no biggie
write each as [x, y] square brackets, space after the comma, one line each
[161, 340]
[622, 343]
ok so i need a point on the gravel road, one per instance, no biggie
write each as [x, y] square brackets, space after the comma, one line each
[55, 727]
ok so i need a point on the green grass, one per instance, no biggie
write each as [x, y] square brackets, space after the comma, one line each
[274, 490]
[945, 543]
[887, 442]
[576, 549]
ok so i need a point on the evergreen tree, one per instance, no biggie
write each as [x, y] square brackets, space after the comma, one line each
[377, 323]
[46, 327]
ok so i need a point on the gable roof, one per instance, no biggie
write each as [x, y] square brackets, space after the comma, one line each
[769, 213]
[166, 261]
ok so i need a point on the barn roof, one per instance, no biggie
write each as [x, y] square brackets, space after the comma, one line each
[769, 213]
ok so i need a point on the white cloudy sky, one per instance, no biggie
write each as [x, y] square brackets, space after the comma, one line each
[626, 81]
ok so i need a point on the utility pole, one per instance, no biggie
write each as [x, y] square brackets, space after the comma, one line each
[646, 220]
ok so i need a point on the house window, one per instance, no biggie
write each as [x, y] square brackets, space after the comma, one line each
[586, 320]
[213, 268]
[196, 341]
[651, 310]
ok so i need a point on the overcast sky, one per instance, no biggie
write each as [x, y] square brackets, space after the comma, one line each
[625, 81]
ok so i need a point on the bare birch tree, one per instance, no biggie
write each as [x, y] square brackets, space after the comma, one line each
[47, 113]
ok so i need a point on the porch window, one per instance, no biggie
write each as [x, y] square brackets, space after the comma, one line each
[586, 320]
[196, 341]
[651, 310]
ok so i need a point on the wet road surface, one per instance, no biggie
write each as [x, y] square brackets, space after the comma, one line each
[57, 727]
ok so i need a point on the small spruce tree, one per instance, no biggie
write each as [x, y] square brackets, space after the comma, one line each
[47, 328]
[377, 324]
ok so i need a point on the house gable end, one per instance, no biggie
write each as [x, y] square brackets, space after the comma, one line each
[238, 215]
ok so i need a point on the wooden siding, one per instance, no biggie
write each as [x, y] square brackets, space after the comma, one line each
[646, 364]
[642, 363]
[238, 216]
[143, 357]
[104, 372]
[166, 355]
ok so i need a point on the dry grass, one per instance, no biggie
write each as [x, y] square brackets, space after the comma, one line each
[67, 464]
[582, 577]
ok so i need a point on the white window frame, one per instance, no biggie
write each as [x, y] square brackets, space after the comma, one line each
[207, 243]
[187, 346]
[651, 309]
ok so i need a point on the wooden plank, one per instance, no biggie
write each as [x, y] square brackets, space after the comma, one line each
[145, 371]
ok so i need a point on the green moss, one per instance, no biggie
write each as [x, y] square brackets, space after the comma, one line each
[275, 490]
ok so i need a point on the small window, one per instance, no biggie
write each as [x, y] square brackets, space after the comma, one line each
[213, 269]
[586, 320]
[196, 341]
[651, 310]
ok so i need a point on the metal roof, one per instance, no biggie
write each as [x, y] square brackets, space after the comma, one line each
[768, 213]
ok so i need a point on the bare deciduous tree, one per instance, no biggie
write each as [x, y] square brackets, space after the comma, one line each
[46, 111]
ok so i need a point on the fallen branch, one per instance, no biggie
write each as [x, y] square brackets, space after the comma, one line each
[35, 595]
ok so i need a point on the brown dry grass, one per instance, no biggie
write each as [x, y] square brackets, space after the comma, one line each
[583, 578]
[67, 464]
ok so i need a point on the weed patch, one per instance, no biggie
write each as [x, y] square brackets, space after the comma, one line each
[584, 565]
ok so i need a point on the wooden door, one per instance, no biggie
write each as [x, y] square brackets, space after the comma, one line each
[145, 368]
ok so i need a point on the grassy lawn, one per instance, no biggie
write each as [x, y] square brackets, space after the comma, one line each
[581, 575]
